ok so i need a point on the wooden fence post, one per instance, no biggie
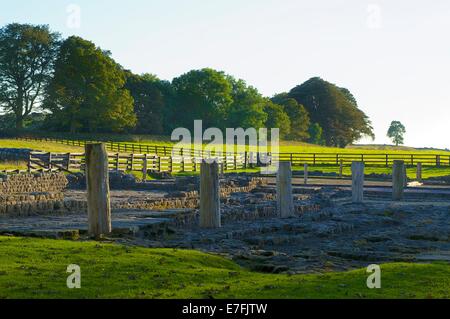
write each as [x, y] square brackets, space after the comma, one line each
[305, 173]
[209, 195]
[117, 161]
[438, 160]
[341, 168]
[245, 160]
[49, 164]
[132, 161]
[398, 180]
[68, 161]
[29, 163]
[285, 201]
[357, 182]
[144, 167]
[98, 199]
[419, 172]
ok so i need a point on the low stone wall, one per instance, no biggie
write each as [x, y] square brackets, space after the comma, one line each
[31, 204]
[32, 183]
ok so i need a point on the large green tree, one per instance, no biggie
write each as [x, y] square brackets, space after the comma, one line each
[298, 116]
[27, 53]
[149, 102]
[87, 90]
[204, 94]
[247, 108]
[277, 118]
[335, 110]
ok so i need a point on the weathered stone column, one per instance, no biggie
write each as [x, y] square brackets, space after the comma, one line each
[419, 172]
[98, 201]
[405, 177]
[209, 195]
[285, 201]
[305, 174]
[398, 180]
[357, 182]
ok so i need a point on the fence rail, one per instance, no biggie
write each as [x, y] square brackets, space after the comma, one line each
[168, 154]
[73, 162]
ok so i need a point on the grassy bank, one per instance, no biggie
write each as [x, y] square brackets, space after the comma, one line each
[285, 146]
[36, 268]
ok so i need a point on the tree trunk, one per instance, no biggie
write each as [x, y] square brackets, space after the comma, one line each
[19, 122]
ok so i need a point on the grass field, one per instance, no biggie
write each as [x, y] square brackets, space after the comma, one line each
[40, 146]
[36, 268]
[286, 146]
[427, 171]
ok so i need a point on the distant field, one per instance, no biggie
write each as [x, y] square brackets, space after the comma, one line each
[40, 146]
[36, 268]
[285, 146]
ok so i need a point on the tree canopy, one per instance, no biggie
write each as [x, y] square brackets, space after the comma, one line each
[298, 117]
[27, 53]
[82, 89]
[396, 132]
[149, 102]
[87, 90]
[202, 95]
[335, 110]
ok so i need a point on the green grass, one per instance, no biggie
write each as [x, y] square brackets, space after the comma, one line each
[40, 146]
[286, 146]
[427, 171]
[13, 165]
[36, 268]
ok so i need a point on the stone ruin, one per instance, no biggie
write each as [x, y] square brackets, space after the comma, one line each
[328, 231]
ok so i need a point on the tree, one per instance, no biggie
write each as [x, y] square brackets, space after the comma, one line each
[87, 90]
[335, 110]
[204, 94]
[277, 118]
[315, 134]
[247, 108]
[396, 132]
[27, 53]
[149, 102]
[298, 117]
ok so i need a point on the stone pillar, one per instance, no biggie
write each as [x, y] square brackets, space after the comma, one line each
[357, 182]
[98, 201]
[398, 180]
[405, 177]
[285, 201]
[209, 195]
[419, 172]
[305, 175]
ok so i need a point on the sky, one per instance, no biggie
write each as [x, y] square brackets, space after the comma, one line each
[394, 56]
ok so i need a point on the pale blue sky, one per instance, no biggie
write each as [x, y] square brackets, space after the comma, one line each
[392, 55]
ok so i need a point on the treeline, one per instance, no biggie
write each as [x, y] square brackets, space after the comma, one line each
[72, 85]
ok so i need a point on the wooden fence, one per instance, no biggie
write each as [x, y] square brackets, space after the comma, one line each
[297, 159]
[74, 162]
